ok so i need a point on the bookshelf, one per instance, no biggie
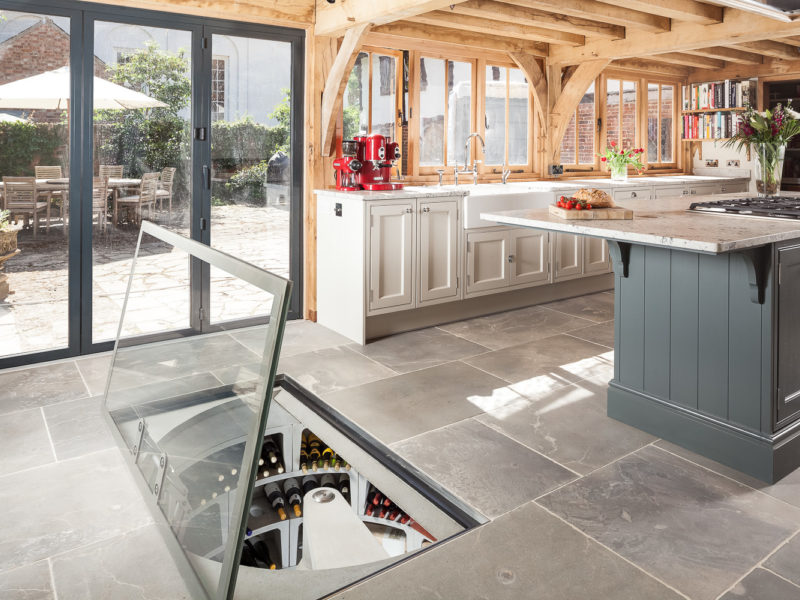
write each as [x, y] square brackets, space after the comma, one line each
[711, 111]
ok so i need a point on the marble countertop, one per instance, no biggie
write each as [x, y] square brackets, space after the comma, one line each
[665, 223]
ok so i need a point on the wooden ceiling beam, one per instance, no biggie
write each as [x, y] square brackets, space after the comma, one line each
[500, 11]
[405, 30]
[688, 60]
[442, 18]
[336, 82]
[772, 49]
[334, 19]
[650, 66]
[729, 54]
[599, 11]
[737, 27]
[680, 10]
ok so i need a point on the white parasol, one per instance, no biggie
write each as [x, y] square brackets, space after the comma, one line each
[51, 90]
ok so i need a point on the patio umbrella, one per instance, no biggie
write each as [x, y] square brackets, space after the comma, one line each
[7, 118]
[50, 91]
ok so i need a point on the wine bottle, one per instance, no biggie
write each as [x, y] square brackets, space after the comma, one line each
[262, 553]
[256, 510]
[314, 450]
[344, 485]
[279, 466]
[309, 483]
[387, 502]
[269, 451]
[336, 462]
[327, 457]
[328, 481]
[370, 510]
[276, 499]
[248, 560]
[304, 453]
[292, 490]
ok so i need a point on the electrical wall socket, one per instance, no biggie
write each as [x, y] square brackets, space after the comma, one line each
[556, 169]
[732, 163]
[712, 162]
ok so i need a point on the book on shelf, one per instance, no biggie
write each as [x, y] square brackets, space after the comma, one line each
[719, 94]
[710, 126]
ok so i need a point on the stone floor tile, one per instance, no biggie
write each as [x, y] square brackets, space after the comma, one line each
[332, 369]
[510, 559]
[602, 333]
[455, 456]
[693, 529]
[39, 386]
[132, 566]
[94, 370]
[78, 427]
[547, 364]
[569, 425]
[786, 561]
[64, 505]
[515, 327]
[31, 582]
[787, 489]
[594, 307]
[23, 441]
[407, 405]
[420, 349]
[300, 336]
[763, 585]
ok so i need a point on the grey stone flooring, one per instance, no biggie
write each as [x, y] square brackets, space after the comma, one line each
[506, 411]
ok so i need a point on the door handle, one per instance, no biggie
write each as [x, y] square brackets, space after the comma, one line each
[511, 258]
[206, 177]
[409, 210]
[426, 209]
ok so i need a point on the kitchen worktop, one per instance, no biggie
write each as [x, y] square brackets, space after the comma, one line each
[665, 223]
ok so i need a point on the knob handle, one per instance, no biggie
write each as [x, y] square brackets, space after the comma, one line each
[409, 210]
[426, 209]
[633, 195]
[511, 258]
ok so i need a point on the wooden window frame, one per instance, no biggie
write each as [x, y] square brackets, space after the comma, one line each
[676, 90]
[588, 168]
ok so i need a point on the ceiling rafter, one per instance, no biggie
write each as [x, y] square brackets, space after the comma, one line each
[680, 10]
[729, 54]
[688, 60]
[600, 11]
[335, 18]
[773, 49]
[513, 29]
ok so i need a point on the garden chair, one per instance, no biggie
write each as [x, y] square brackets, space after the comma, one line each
[21, 198]
[146, 197]
[100, 200]
[110, 171]
[164, 191]
[53, 172]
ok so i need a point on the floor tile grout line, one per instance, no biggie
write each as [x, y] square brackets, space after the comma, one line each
[779, 576]
[561, 312]
[377, 362]
[60, 462]
[83, 379]
[633, 564]
[728, 477]
[577, 337]
[52, 578]
[760, 563]
[49, 437]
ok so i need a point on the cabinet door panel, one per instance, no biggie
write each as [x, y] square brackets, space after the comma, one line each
[568, 254]
[391, 243]
[788, 334]
[530, 256]
[487, 256]
[595, 256]
[438, 250]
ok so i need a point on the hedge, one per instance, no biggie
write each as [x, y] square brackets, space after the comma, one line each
[24, 144]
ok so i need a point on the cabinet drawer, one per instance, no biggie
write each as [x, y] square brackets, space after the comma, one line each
[642, 193]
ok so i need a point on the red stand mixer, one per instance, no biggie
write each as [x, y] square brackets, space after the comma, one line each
[366, 163]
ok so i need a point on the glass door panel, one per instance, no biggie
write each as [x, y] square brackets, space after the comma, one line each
[142, 168]
[35, 115]
[251, 164]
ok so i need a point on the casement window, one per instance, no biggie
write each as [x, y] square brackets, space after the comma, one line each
[218, 87]
[373, 98]
[446, 105]
[507, 123]
[579, 144]
[621, 116]
[661, 124]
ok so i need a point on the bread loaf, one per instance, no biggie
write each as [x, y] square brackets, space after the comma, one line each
[597, 198]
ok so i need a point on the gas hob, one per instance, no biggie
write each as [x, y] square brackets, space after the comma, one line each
[775, 207]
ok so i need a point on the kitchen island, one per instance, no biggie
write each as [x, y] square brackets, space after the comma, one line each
[707, 337]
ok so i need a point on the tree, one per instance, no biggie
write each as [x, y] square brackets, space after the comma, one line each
[154, 138]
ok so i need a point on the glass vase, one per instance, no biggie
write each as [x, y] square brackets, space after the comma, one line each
[618, 172]
[769, 168]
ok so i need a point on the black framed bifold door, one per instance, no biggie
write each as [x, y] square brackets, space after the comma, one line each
[117, 115]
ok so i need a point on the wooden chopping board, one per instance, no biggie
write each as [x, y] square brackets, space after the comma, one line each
[617, 212]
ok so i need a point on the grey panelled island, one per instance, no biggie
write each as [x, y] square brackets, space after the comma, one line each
[707, 331]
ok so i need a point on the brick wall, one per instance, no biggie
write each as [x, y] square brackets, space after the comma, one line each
[40, 48]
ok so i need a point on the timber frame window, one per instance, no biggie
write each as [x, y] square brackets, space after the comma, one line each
[621, 99]
[507, 122]
[579, 144]
[662, 122]
[373, 99]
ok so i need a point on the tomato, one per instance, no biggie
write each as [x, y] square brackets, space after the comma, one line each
[572, 204]
[578, 207]
[588, 207]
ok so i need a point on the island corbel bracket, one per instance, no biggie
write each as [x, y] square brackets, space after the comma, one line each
[620, 257]
[759, 262]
